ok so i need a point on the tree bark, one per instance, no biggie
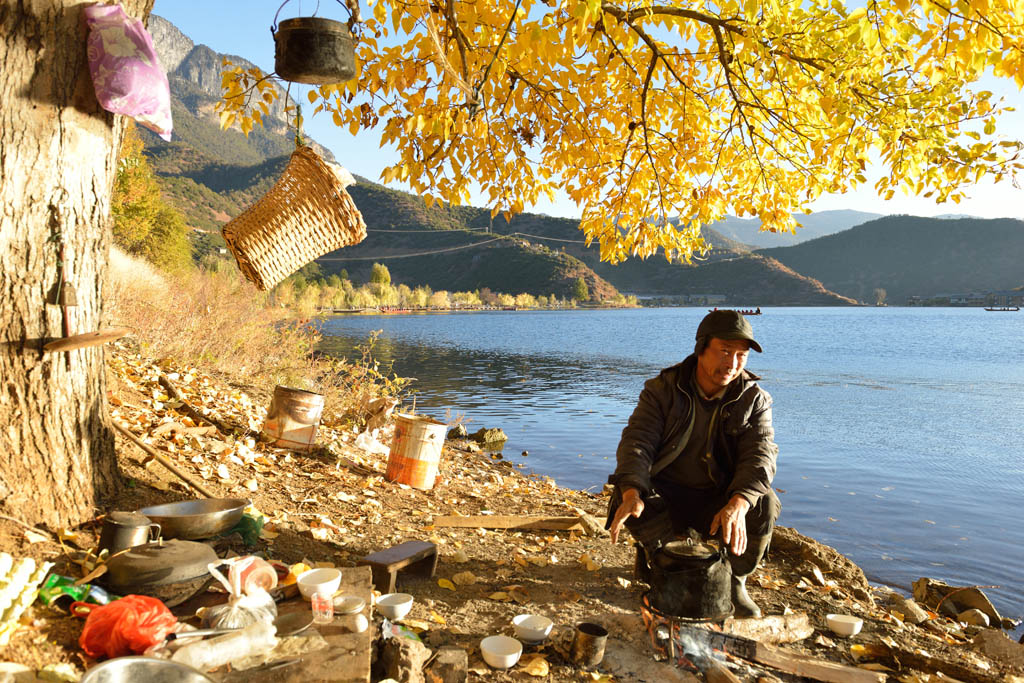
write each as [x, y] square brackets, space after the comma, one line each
[58, 156]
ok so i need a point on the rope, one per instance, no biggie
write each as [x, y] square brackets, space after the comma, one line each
[422, 253]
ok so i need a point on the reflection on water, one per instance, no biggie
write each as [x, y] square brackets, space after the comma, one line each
[899, 429]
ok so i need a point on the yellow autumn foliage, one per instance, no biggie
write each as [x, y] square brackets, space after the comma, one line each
[640, 111]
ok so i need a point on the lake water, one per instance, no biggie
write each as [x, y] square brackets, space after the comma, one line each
[900, 429]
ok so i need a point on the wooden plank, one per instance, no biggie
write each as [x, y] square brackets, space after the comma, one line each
[81, 341]
[401, 554]
[540, 522]
[347, 659]
[810, 667]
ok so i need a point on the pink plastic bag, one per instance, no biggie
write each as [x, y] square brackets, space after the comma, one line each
[125, 69]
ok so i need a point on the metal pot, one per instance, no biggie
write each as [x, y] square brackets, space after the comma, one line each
[172, 571]
[192, 519]
[691, 581]
[314, 50]
[126, 529]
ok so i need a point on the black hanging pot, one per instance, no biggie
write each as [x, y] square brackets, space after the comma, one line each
[314, 50]
[691, 581]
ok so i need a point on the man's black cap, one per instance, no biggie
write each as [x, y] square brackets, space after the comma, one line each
[726, 324]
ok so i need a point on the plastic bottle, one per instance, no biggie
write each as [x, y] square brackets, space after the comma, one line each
[206, 655]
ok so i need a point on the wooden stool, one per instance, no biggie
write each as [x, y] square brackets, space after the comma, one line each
[418, 556]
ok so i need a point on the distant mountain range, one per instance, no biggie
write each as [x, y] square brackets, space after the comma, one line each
[836, 258]
[912, 256]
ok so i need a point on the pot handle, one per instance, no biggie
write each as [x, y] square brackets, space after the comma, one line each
[353, 14]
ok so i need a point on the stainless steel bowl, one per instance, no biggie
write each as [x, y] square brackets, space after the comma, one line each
[149, 669]
[191, 519]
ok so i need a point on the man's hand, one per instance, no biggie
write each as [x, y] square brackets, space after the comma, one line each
[732, 520]
[631, 504]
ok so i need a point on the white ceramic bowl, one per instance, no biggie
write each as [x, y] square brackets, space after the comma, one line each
[532, 628]
[844, 624]
[324, 580]
[394, 605]
[501, 652]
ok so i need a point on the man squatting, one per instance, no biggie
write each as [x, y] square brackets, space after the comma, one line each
[698, 453]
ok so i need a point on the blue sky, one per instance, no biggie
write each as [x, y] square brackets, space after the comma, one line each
[243, 28]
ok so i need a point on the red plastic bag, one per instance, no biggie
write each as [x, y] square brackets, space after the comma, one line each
[128, 626]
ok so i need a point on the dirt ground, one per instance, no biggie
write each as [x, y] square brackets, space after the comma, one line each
[335, 506]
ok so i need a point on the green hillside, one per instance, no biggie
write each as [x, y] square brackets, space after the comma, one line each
[502, 264]
[913, 256]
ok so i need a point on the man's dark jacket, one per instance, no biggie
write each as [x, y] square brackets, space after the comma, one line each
[744, 436]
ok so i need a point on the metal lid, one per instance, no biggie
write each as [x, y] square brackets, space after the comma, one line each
[128, 518]
[683, 550]
[348, 604]
[155, 564]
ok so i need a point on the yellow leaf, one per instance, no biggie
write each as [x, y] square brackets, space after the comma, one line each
[535, 665]
[500, 596]
[464, 579]
[311, 96]
[445, 583]
[437, 618]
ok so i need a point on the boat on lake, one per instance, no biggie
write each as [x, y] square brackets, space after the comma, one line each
[1002, 308]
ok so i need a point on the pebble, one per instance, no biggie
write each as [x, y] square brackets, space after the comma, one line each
[973, 617]
[912, 612]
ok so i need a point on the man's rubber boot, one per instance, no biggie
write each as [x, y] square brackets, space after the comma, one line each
[742, 566]
[642, 565]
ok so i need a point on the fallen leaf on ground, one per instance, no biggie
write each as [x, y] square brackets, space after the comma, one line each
[535, 665]
[589, 563]
[445, 583]
[464, 579]
[35, 537]
[500, 596]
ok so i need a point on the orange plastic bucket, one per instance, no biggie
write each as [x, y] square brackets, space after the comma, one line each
[415, 451]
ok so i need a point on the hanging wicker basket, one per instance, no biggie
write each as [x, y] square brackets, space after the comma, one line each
[306, 214]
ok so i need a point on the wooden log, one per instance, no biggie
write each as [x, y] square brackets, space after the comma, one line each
[162, 460]
[539, 522]
[81, 341]
[810, 667]
[934, 665]
[774, 629]
[715, 672]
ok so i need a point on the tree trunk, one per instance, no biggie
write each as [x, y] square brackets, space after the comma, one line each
[58, 155]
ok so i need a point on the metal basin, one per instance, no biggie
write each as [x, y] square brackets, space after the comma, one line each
[191, 519]
[149, 669]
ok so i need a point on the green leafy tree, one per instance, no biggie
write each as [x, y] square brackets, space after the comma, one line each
[580, 291]
[143, 223]
[380, 274]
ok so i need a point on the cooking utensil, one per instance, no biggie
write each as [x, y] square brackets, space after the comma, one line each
[191, 519]
[292, 623]
[172, 571]
[150, 669]
[124, 530]
[691, 581]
